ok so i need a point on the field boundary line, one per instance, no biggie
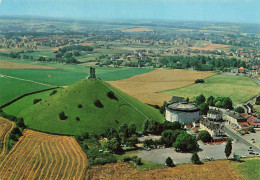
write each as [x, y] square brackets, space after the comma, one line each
[5, 136]
[124, 99]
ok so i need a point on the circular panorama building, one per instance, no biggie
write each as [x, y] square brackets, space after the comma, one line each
[183, 112]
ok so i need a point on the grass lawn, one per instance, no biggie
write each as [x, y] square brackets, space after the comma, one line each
[25, 102]
[92, 119]
[13, 88]
[257, 108]
[250, 169]
[239, 88]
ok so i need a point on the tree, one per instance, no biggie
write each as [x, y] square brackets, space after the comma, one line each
[113, 146]
[210, 101]
[169, 162]
[204, 136]
[227, 103]
[185, 143]
[162, 108]
[195, 158]
[169, 136]
[204, 108]
[98, 103]
[145, 126]
[132, 128]
[132, 141]
[123, 131]
[85, 135]
[62, 116]
[36, 101]
[240, 109]
[200, 99]
[228, 148]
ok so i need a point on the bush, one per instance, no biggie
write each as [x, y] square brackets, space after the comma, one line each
[36, 101]
[62, 116]
[169, 162]
[77, 118]
[80, 106]
[199, 81]
[85, 135]
[257, 102]
[97, 103]
[127, 159]
[111, 95]
[53, 92]
[195, 158]
[204, 136]
[240, 109]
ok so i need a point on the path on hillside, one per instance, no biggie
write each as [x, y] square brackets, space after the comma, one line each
[2, 75]
[6, 134]
[124, 99]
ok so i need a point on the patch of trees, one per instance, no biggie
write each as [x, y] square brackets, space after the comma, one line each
[135, 160]
[201, 63]
[35, 101]
[240, 109]
[53, 92]
[62, 115]
[98, 103]
[97, 157]
[185, 143]
[220, 102]
[199, 81]
[204, 136]
[111, 95]
[17, 131]
[153, 127]
[75, 48]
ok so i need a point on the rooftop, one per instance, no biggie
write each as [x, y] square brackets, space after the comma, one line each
[213, 111]
[183, 106]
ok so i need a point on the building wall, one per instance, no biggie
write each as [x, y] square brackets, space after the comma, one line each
[182, 117]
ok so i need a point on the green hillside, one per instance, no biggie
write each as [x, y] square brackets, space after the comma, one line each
[44, 115]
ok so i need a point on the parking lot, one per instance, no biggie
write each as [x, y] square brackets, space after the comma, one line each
[211, 151]
[256, 136]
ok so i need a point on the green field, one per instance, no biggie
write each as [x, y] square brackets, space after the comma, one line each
[13, 88]
[250, 169]
[92, 118]
[239, 88]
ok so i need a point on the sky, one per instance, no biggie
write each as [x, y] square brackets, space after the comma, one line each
[246, 11]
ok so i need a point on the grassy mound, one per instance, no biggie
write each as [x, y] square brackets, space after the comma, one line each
[82, 114]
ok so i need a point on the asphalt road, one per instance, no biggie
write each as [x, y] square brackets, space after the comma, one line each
[241, 140]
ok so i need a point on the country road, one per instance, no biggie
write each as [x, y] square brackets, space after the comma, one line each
[240, 139]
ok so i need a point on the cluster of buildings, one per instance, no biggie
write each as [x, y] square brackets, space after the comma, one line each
[178, 109]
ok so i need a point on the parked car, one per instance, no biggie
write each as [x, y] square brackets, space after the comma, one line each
[256, 153]
[253, 153]
[243, 156]
[212, 159]
[205, 159]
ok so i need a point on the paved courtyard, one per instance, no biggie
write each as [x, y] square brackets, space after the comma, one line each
[211, 151]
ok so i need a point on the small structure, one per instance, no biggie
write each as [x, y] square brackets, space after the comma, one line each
[235, 118]
[241, 70]
[92, 73]
[182, 112]
[177, 99]
[214, 115]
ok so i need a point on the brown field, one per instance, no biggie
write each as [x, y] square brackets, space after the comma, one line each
[44, 156]
[87, 44]
[5, 128]
[13, 65]
[210, 47]
[210, 170]
[145, 87]
[136, 30]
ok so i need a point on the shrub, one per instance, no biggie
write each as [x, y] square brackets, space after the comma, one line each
[80, 106]
[62, 116]
[169, 162]
[204, 136]
[85, 135]
[53, 92]
[77, 118]
[199, 81]
[240, 109]
[36, 101]
[195, 158]
[111, 95]
[97, 103]
[127, 159]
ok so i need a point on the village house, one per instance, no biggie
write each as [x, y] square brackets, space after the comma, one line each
[251, 121]
[234, 118]
[241, 70]
[215, 115]
[215, 130]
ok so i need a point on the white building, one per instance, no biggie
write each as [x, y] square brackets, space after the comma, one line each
[182, 112]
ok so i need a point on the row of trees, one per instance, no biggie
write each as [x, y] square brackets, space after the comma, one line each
[201, 63]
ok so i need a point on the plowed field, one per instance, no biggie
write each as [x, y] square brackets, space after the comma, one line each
[210, 171]
[5, 129]
[44, 156]
[146, 87]
[13, 65]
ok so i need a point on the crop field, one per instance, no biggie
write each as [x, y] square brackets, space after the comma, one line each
[250, 169]
[5, 129]
[13, 65]
[137, 29]
[211, 47]
[44, 156]
[146, 87]
[210, 170]
[221, 86]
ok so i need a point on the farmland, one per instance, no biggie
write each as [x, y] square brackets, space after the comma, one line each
[250, 169]
[145, 87]
[210, 170]
[137, 29]
[4, 64]
[5, 128]
[221, 86]
[210, 47]
[44, 156]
